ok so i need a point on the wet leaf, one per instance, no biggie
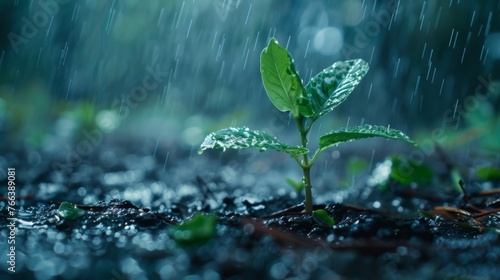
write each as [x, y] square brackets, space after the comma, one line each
[244, 138]
[359, 132]
[321, 217]
[489, 173]
[333, 85]
[197, 230]
[282, 82]
[70, 211]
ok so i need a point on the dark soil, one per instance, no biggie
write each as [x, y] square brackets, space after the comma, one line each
[132, 195]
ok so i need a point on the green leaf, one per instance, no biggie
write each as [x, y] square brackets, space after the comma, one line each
[282, 82]
[243, 138]
[297, 185]
[333, 85]
[70, 211]
[321, 217]
[401, 170]
[408, 171]
[197, 230]
[489, 173]
[359, 132]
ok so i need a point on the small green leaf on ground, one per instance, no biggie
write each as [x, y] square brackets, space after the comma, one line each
[359, 132]
[70, 211]
[243, 138]
[488, 173]
[196, 230]
[321, 217]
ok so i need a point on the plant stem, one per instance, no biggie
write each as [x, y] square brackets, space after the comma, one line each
[308, 187]
[306, 167]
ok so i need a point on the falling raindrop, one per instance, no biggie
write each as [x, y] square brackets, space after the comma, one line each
[37, 60]
[222, 69]
[246, 59]
[213, 42]
[416, 85]
[455, 109]
[160, 17]
[180, 15]
[307, 48]
[288, 42]
[472, 18]
[248, 14]
[245, 48]
[441, 89]
[256, 40]
[438, 18]
[371, 56]
[110, 17]
[189, 28]
[396, 68]
[451, 37]
[485, 56]
[480, 29]
[455, 40]
[165, 163]
[488, 25]
[370, 90]
[50, 26]
[397, 10]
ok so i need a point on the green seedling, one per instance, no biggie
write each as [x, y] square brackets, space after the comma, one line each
[70, 211]
[457, 180]
[197, 230]
[306, 104]
[322, 218]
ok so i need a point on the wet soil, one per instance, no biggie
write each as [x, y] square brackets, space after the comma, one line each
[132, 194]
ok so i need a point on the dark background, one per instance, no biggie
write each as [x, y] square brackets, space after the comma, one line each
[74, 70]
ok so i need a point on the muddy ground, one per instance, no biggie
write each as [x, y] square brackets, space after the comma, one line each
[133, 192]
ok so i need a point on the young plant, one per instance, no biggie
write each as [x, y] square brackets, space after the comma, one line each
[306, 104]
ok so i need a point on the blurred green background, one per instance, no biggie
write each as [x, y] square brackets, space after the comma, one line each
[68, 67]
